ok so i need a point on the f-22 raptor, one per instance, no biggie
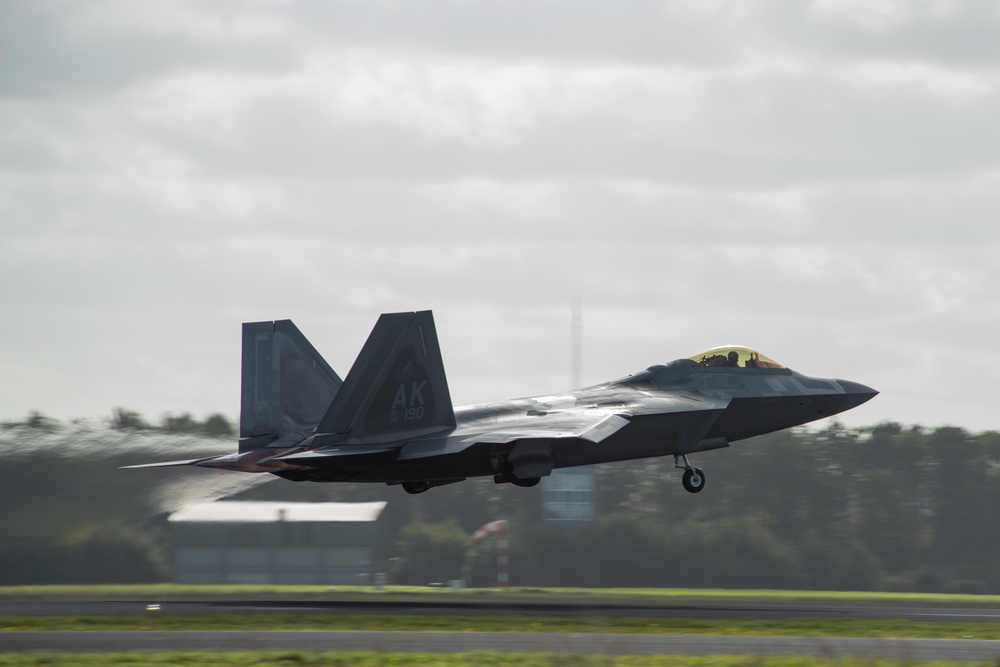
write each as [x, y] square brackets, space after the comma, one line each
[391, 419]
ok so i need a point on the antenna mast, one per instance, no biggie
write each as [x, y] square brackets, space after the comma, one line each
[576, 344]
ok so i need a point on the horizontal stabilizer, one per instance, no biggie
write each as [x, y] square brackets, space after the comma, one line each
[170, 464]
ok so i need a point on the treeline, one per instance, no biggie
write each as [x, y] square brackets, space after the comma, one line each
[886, 507]
[123, 419]
[878, 508]
[105, 552]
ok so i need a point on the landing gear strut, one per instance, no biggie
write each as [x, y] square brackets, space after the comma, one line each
[694, 478]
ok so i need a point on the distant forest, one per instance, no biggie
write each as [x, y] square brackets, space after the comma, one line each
[886, 507]
[129, 420]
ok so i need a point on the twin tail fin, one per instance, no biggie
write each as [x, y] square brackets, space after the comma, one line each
[286, 385]
[396, 388]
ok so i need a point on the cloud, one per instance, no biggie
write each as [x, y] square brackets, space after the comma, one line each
[63, 50]
[815, 180]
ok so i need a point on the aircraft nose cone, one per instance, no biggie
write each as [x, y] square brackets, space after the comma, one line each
[857, 393]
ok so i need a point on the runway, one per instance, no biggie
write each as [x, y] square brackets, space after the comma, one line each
[944, 614]
[457, 642]
[461, 642]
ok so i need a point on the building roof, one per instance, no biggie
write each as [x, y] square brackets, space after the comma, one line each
[247, 511]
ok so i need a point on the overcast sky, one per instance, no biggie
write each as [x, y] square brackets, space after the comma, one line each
[818, 180]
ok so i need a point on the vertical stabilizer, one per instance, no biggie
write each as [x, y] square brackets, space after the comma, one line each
[287, 386]
[397, 386]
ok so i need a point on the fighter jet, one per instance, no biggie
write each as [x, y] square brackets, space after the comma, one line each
[391, 420]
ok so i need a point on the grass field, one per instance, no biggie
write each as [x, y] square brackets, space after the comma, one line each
[167, 592]
[334, 622]
[364, 659]
[164, 593]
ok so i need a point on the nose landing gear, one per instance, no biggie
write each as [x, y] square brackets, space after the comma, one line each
[693, 479]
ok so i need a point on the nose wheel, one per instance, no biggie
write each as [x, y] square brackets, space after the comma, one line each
[693, 479]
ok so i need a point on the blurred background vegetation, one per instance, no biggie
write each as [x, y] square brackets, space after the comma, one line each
[887, 507]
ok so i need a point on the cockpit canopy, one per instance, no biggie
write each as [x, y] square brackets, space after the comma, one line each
[734, 357]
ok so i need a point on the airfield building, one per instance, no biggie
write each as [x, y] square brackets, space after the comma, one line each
[244, 542]
[569, 494]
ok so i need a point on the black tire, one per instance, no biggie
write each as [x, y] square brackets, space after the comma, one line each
[693, 480]
[415, 487]
[508, 473]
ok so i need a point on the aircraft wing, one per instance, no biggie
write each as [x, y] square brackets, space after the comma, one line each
[593, 426]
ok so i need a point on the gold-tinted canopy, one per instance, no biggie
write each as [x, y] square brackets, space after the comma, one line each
[735, 357]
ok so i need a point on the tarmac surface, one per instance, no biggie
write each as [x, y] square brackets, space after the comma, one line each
[971, 650]
[759, 611]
